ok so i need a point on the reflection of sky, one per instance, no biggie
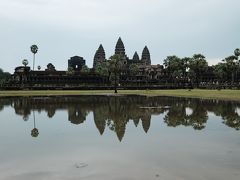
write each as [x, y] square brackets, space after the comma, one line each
[67, 151]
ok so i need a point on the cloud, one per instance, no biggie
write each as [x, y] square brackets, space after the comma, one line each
[63, 28]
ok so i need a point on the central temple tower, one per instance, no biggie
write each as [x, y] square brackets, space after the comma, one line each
[119, 48]
[146, 59]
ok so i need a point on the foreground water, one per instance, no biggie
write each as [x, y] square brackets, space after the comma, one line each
[119, 138]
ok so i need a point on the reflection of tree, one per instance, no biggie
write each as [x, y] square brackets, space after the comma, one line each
[176, 115]
[4, 102]
[199, 116]
[230, 116]
[34, 132]
[115, 112]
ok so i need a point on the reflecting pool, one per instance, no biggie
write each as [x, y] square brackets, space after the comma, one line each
[119, 138]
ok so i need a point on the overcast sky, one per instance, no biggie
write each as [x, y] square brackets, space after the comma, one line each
[65, 28]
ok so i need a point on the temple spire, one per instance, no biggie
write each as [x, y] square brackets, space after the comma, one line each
[146, 56]
[99, 56]
[119, 48]
[135, 56]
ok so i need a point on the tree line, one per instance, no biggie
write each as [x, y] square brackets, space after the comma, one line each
[4, 76]
[184, 70]
[193, 68]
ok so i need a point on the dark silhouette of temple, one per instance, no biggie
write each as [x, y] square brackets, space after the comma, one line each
[99, 56]
[79, 76]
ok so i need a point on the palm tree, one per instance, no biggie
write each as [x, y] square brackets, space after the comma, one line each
[185, 65]
[237, 52]
[25, 62]
[231, 66]
[34, 50]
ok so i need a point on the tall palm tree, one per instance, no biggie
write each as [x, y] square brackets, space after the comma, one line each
[237, 52]
[25, 62]
[34, 50]
[231, 66]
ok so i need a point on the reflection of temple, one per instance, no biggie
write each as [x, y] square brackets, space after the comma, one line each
[115, 112]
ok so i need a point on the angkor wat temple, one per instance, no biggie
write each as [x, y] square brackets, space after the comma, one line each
[99, 56]
[147, 75]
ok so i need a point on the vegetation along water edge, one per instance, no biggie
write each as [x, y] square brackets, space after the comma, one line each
[191, 93]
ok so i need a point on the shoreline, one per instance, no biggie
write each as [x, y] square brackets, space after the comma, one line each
[232, 95]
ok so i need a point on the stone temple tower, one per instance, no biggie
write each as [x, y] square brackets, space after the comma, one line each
[119, 48]
[146, 59]
[135, 57]
[99, 56]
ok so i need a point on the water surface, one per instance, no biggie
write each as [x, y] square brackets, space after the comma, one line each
[119, 137]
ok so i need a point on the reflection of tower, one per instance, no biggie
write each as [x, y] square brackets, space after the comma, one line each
[136, 121]
[120, 127]
[34, 132]
[146, 122]
[99, 122]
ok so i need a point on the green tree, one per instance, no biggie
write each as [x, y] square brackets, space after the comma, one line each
[4, 76]
[102, 68]
[115, 68]
[70, 71]
[34, 50]
[175, 67]
[198, 65]
[133, 69]
[185, 65]
[85, 69]
[220, 71]
[231, 66]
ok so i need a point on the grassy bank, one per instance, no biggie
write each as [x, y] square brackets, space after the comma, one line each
[196, 93]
